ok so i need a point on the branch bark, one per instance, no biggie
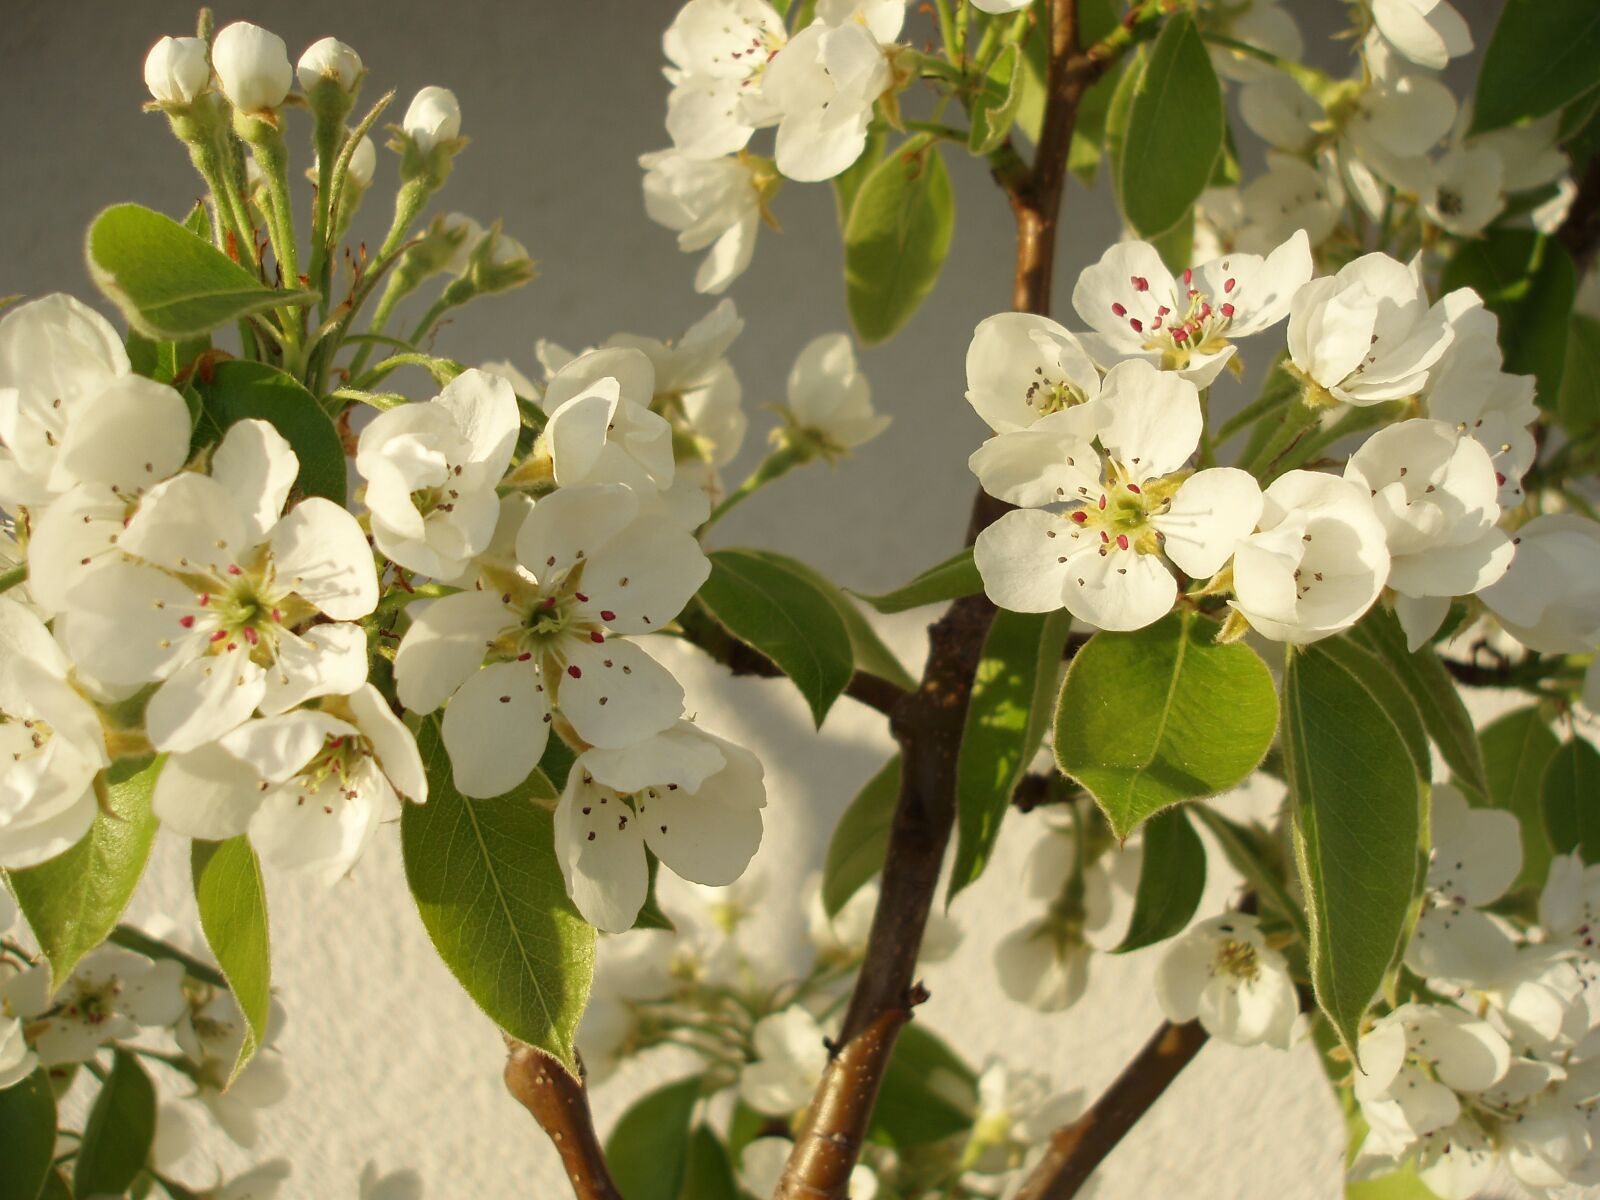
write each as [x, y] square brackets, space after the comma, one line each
[558, 1101]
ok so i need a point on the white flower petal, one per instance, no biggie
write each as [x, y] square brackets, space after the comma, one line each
[445, 646]
[322, 554]
[1211, 512]
[255, 463]
[496, 728]
[204, 699]
[619, 694]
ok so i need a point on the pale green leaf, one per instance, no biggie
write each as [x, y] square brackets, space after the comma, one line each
[232, 899]
[648, 1151]
[955, 577]
[861, 839]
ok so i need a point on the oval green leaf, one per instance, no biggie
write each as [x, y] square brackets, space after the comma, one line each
[1151, 718]
[232, 900]
[28, 1134]
[236, 390]
[122, 1124]
[1356, 814]
[1571, 790]
[72, 902]
[1175, 131]
[786, 616]
[168, 282]
[1544, 54]
[489, 889]
[1172, 878]
[861, 839]
[928, 1092]
[872, 657]
[648, 1151]
[708, 1169]
[899, 233]
[955, 577]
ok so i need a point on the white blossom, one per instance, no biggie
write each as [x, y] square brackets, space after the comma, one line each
[1465, 191]
[1223, 973]
[637, 967]
[329, 58]
[691, 798]
[1001, 6]
[1317, 561]
[111, 994]
[790, 1055]
[548, 630]
[1131, 509]
[1569, 905]
[1139, 310]
[17, 1061]
[1021, 367]
[719, 50]
[432, 470]
[363, 164]
[1428, 32]
[1290, 194]
[843, 937]
[829, 398]
[252, 66]
[714, 203]
[210, 1034]
[1280, 112]
[177, 70]
[1017, 1109]
[1549, 600]
[601, 429]
[433, 116]
[1261, 23]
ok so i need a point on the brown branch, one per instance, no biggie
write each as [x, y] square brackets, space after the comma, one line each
[557, 1100]
[1580, 230]
[1077, 1149]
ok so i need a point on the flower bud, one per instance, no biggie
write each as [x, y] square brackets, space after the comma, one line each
[363, 163]
[176, 70]
[252, 65]
[434, 117]
[329, 59]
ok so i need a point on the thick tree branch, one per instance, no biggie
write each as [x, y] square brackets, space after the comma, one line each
[558, 1101]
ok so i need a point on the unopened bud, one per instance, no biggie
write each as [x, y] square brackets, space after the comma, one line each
[329, 59]
[363, 163]
[434, 117]
[176, 70]
[252, 65]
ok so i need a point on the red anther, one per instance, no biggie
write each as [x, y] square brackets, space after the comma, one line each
[1188, 276]
[580, 597]
[524, 657]
[1162, 311]
[1122, 541]
[277, 617]
[1500, 479]
[1228, 286]
[1137, 326]
[549, 602]
[251, 636]
[1102, 501]
[1180, 334]
[574, 672]
[205, 599]
[1227, 311]
[1134, 488]
[597, 637]
[1140, 283]
[1104, 536]
[1080, 516]
[234, 570]
[1119, 310]
[607, 615]
[187, 622]
[218, 635]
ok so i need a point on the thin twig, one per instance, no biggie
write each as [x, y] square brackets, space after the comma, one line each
[558, 1101]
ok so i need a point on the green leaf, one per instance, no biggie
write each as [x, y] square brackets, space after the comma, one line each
[55, 1188]
[232, 899]
[651, 915]
[236, 389]
[1433, 694]
[1035, 64]
[870, 654]
[487, 884]
[1378, 679]
[1176, 245]
[955, 577]
[72, 902]
[1527, 280]
[1172, 878]
[1579, 406]
[1544, 54]
[1517, 748]
[708, 1169]
[649, 1148]
[897, 239]
[1356, 811]
[995, 107]
[787, 617]
[170, 283]
[163, 361]
[1571, 790]
[1007, 716]
[928, 1092]
[1175, 131]
[1089, 135]
[28, 1134]
[1138, 723]
[122, 1124]
[1257, 855]
[1119, 109]
[847, 183]
[861, 839]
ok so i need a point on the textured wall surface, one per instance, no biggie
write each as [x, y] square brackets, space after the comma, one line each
[389, 1059]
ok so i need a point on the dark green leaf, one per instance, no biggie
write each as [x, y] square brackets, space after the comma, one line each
[73, 901]
[56, 1187]
[995, 107]
[1527, 280]
[1175, 131]
[955, 577]
[1579, 408]
[649, 1148]
[928, 1092]
[1572, 800]
[1172, 878]
[1007, 715]
[1356, 817]
[163, 361]
[122, 1124]
[1544, 54]
[897, 239]
[170, 283]
[233, 913]
[28, 1136]
[786, 617]
[1386, 689]
[1176, 245]
[1434, 695]
[489, 889]
[708, 1169]
[651, 915]
[861, 839]
[236, 389]
[1516, 750]
[1138, 720]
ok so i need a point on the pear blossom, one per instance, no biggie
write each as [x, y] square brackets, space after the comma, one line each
[1454, 1162]
[432, 117]
[1131, 509]
[1465, 191]
[790, 1056]
[72, 411]
[762, 1161]
[628, 970]
[1261, 23]
[1476, 855]
[719, 50]
[1223, 973]
[51, 745]
[1290, 195]
[829, 399]
[1368, 334]
[252, 67]
[1138, 310]
[1317, 561]
[1530, 155]
[1428, 32]
[220, 579]
[547, 630]
[17, 1062]
[177, 70]
[692, 798]
[309, 786]
[1397, 119]
[111, 994]
[329, 58]
[1021, 367]
[1017, 1109]
[431, 472]
[601, 429]
[210, 1034]
[1417, 1063]
[1549, 600]
[1280, 112]
[1436, 493]
[714, 203]
[1569, 905]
